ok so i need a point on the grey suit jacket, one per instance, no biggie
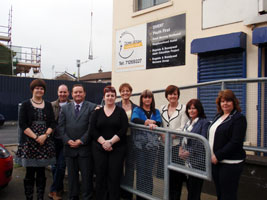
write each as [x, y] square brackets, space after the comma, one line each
[71, 127]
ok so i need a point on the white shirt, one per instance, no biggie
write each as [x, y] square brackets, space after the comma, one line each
[212, 133]
[80, 104]
[62, 103]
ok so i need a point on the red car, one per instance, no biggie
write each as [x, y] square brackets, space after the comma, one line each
[6, 166]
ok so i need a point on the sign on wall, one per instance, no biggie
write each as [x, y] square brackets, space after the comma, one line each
[166, 42]
[153, 45]
[217, 12]
[131, 48]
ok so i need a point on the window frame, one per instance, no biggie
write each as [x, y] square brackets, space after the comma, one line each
[137, 12]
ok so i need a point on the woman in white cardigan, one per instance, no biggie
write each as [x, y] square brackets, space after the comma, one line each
[174, 117]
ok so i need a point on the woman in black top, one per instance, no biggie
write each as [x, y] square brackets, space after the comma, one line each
[109, 127]
[36, 149]
[226, 135]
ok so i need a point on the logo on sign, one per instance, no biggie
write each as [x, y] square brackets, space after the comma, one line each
[128, 43]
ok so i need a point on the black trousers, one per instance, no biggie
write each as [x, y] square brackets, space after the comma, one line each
[175, 184]
[194, 186]
[31, 171]
[129, 167]
[84, 165]
[108, 170]
[226, 178]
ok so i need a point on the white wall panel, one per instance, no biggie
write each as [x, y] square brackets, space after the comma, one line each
[221, 12]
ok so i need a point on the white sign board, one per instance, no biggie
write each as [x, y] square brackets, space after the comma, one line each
[131, 48]
[218, 12]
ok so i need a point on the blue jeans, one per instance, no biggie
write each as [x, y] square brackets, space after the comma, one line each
[58, 170]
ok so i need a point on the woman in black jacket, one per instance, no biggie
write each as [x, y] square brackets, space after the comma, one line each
[226, 136]
[36, 148]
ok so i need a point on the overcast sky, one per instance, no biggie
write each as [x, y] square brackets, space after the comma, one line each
[62, 29]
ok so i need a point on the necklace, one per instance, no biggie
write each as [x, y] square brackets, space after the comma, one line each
[37, 102]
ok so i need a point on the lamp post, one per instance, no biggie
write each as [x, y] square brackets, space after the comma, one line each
[78, 62]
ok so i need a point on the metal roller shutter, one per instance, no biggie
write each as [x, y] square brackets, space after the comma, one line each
[229, 64]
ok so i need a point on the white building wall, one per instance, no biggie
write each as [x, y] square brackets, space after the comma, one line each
[159, 78]
[204, 18]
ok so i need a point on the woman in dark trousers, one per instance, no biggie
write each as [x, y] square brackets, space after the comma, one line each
[197, 124]
[226, 136]
[128, 177]
[108, 128]
[146, 143]
[36, 149]
[173, 116]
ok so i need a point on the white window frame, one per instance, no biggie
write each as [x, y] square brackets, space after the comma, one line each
[137, 12]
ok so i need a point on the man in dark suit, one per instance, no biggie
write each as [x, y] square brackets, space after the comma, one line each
[74, 128]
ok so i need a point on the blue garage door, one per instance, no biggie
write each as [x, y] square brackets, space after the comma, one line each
[229, 64]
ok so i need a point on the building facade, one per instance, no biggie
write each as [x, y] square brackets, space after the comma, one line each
[183, 42]
[208, 27]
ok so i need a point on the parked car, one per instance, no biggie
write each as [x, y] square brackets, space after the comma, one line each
[6, 166]
[2, 120]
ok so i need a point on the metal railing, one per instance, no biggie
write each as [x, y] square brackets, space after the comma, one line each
[252, 93]
[152, 153]
[27, 54]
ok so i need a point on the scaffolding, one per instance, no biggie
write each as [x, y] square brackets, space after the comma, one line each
[22, 59]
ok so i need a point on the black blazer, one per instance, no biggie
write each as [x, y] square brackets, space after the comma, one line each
[120, 105]
[201, 127]
[26, 117]
[229, 137]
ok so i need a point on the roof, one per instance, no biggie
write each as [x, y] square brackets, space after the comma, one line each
[66, 75]
[96, 76]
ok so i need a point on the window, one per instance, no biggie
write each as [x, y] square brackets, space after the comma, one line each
[143, 4]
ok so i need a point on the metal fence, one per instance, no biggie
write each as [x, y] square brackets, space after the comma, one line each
[152, 153]
[14, 90]
[252, 95]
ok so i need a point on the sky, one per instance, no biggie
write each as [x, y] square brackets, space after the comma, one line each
[62, 29]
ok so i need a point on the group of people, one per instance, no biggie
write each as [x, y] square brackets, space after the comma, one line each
[91, 139]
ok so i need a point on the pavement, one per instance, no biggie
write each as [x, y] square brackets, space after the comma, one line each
[15, 190]
[9, 133]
